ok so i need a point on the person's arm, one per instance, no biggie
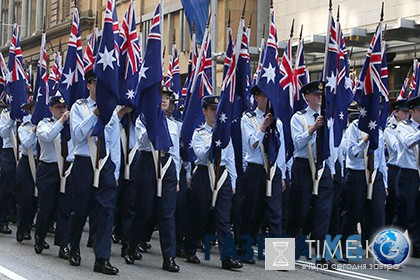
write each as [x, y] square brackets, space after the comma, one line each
[200, 147]
[80, 125]
[230, 165]
[48, 133]
[300, 135]
[355, 146]
[253, 138]
[406, 137]
[27, 137]
[114, 144]
[6, 125]
[281, 157]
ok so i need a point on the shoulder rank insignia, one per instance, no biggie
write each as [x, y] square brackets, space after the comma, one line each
[301, 112]
[81, 101]
[251, 114]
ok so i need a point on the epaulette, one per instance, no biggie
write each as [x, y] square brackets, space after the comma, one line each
[81, 101]
[6, 110]
[200, 128]
[25, 123]
[392, 125]
[407, 122]
[251, 114]
[301, 112]
[48, 120]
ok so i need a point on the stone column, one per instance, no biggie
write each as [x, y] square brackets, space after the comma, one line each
[10, 18]
[39, 15]
[24, 19]
[263, 17]
[1, 24]
[29, 19]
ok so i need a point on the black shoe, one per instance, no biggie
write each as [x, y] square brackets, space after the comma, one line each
[38, 246]
[248, 261]
[200, 246]
[105, 267]
[27, 235]
[19, 235]
[181, 254]
[130, 255]
[325, 264]
[115, 239]
[74, 257]
[230, 263]
[45, 245]
[5, 229]
[170, 265]
[51, 229]
[64, 252]
[193, 259]
[142, 247]
[90, 243]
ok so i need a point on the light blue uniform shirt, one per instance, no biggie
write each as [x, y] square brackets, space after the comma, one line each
[7, 125]
[407, 138]
[144, 143]
[355, 151]
[27, 136]
[392, 143]
[201, 142]
[47, 131]
[301, 137]
[81, 126]
[251, 135]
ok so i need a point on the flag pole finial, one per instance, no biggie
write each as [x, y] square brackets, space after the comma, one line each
[250, 20]
[243, 10]
[75, 3]
[415, 51]
[301, 31]
[59, 46]
[96, 19]
[351, 52]
[338, 13]
[292, 28]
[173, 37]
[44, 24]
[228, 22]
[271, 4]
[193, 29]
[330, 5]
[382, 12]
[51, 46]
[208, 21]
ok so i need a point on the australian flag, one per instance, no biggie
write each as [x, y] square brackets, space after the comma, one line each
[106, 69]
[16, 84]
[415, 80]
[173, 79]
[55, 74]
[222, 129]
[344, 94]
[196, 12]
[72, 83]
[148, 98]
[403, 91]
[268, 81]
[3, 74]
[28, 77]
[201, 86]
[300, 78]
[286, 98]
[42, 91]
[91, 51]
[368, 90]
[130, 57]
[384, 85]
[192, 63]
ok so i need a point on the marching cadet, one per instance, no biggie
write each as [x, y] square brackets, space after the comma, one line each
[86, 195]
[201, 192]
[53, 194]
[364, 199]
[307, 191]
[8, 168]
[25, 176]
[407, 181]
[400, 113]
[152, 205]
[262, 195]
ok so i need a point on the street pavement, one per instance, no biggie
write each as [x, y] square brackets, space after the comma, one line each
[18, 261]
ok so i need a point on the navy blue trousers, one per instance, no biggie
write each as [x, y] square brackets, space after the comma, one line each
[25, 199]
[307, 209]
[335, 221]
[126, 203]
[150, 206]
[391, 199]
[257, 207]
[181, 211]
[407, 184]
[8, 184]
[86, 197]
[51, 201]
[200, 198]
[358, 208]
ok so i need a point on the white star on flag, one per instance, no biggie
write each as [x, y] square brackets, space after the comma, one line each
[190, 146]
[341, 115]
[68, 79]
[331, 82]
[9, 76]
[363, 112]
[11, 99]
[269, 73]
[218, 143]
[347, 83]
[130, 94]
[143, 72]
[223, 117]
[372, 125]
[107, 59]
[39, 94]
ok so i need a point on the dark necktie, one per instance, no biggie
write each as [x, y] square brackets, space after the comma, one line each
[316, 115]
[102, 148]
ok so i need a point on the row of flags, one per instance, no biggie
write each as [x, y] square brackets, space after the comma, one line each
[126, 77]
